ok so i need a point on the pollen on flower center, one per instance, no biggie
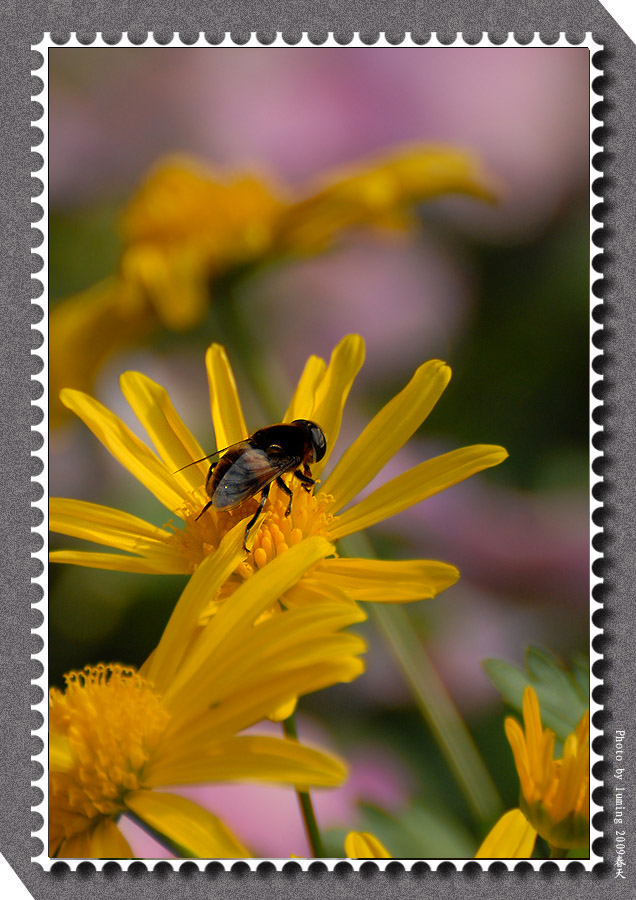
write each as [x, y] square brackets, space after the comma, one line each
[309, 516]
[112, 719]
[202, 534]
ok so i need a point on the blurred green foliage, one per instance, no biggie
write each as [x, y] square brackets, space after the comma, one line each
[83, 248]
[564, 695]
[521, 372]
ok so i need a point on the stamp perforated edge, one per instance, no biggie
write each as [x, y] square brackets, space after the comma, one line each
[40, 96]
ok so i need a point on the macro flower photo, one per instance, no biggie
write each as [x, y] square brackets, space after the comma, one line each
[319, 560]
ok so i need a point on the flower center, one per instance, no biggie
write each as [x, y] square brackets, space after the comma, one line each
[112, 720]
[277, 532]
[309, 516]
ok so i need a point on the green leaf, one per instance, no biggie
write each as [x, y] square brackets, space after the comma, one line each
[581, 672]
[578, 853]
[563, 694]
[419, 832]
[333, 841]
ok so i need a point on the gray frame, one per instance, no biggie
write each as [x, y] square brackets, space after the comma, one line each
[23, 26]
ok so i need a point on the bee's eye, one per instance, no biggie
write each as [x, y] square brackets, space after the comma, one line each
[319, 442]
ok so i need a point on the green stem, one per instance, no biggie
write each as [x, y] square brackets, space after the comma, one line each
[447, 726]
[558, 852]
[243, 342]
[175, 848]
[304, 801]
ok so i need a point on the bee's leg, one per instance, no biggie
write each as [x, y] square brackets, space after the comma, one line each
[281, 484]
[206, 507]
[306, 479]
[251, 522]
[209, 483]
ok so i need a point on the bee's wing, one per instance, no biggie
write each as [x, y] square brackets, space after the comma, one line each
[249, 474]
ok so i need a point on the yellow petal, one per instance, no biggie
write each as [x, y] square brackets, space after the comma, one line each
[254, 758]
[284, 644]
[517, 742]
[362, 845]
[84, 330]
[381, 192]
[161, 666]
[245, 708]
[512, 837]
[173, 441]
[582, 731]
[78, 847]
[126, 448]
[311, 592]
[546, 762]
[255, 595]
[104, 525]
[387, 581]
[60, 754]
[572, 774]
[302, 403]
[119, 562]
[534, 732]
[423, 481]
[227, 415]
[305, 652]
[275, 645]
[212, 690]
[107, 842]
[407, 174]
[332, 391]
[283, 710]
[173, 279]
[389, 430]
[188, 827]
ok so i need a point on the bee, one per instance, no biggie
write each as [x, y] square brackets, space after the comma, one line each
[249, 467]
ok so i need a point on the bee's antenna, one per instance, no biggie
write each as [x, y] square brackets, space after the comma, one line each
[203, 458]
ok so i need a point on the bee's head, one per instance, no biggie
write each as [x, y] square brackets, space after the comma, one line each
[315, 437]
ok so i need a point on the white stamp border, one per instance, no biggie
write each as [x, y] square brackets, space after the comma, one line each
[40, 96]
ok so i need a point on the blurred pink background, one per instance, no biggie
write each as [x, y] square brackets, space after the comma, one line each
[522, 550]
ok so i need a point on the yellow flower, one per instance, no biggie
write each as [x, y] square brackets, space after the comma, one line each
[190, 225]
[117, 735]
[84, 330]
[512, 837]
[362, 845]
[320, 396]
[382, 192]
[555, 794]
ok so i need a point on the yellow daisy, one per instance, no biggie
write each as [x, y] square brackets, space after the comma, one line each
[117, 735]
[320, 396]
[382, 192]
[512, 837]
[555, 793]
[362, 845]
[190, 225]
